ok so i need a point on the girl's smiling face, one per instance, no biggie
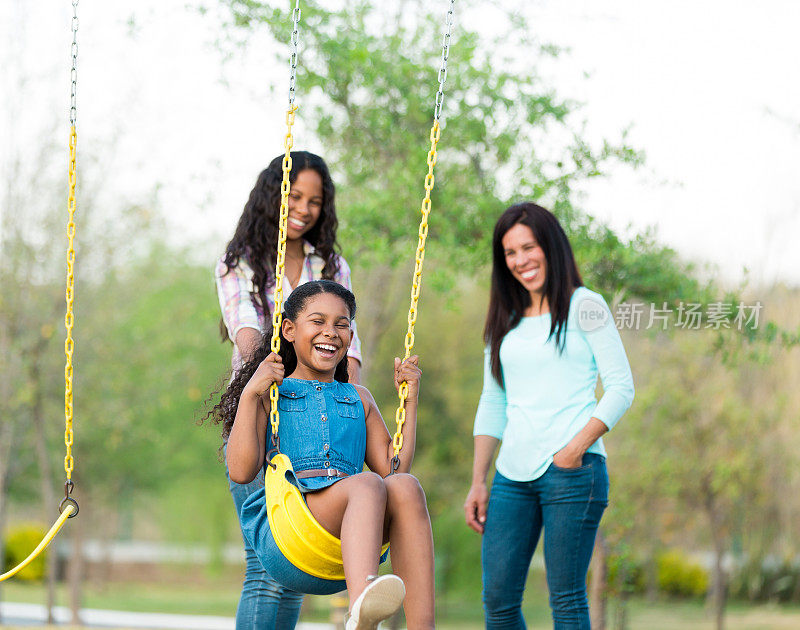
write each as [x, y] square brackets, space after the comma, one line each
[321, 335]
[305, 203]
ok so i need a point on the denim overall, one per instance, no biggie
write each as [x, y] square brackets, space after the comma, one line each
[322, 428]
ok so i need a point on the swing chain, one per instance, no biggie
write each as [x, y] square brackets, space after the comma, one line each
[416, 283]
[277, 312]
[73, 111]
[416, 287]
[293, 58]
[445, 55]
[69, 317]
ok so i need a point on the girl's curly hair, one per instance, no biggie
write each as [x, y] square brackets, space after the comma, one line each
[224, 412]
[256, 236]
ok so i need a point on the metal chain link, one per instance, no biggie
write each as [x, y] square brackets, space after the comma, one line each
[445, 54]
[416, 283]
[69, 318]
[277, 313]
[295, 40]
[73, 110]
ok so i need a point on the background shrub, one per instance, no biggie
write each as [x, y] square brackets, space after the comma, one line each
[20, 541]
[678, 575]
[767, 579]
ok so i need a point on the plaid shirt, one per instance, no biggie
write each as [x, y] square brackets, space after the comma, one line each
[242, 308]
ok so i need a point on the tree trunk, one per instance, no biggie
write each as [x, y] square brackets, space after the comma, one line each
[599, 583]
[719, 585]
[654, 548]
[75, 572]
[651, 576]
[6, 430]
[6, 441]
[621, 615]
[717, 594]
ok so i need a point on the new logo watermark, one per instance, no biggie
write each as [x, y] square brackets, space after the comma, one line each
[592, 315]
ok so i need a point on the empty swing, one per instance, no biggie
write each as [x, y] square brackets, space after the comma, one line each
[68, 507]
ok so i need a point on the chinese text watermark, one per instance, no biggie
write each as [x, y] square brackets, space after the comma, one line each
[593, 314]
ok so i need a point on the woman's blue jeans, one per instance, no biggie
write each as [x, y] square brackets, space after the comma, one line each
[264, 604]
[568, 504]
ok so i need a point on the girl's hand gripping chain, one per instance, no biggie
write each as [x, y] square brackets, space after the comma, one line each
[247, 439]
[410, 372]
[270, 371]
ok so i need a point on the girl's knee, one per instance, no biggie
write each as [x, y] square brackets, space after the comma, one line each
[404, 489]
[368, 484]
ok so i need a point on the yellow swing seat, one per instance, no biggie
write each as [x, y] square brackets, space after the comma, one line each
[304, 542]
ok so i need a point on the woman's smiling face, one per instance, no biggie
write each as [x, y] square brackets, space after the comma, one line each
[321, 335]
[525, 258]
[305, 203]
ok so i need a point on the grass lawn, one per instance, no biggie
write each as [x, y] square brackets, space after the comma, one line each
[218, 596]
[211, 598]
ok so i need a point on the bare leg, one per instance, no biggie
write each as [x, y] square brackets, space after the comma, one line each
[408, 528]
[353, 510]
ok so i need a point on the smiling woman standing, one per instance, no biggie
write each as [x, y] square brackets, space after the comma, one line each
[548, 338]
[245, 282]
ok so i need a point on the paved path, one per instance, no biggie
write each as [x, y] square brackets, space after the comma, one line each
[13, 614]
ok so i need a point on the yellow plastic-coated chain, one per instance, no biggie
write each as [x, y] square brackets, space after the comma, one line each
[42, 545]
[277, 313]
[416, 286]
[400, 416]
[69, 318]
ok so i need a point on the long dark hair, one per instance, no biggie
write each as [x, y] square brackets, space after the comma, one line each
[256, 236]
[225, 411]
[509, 299]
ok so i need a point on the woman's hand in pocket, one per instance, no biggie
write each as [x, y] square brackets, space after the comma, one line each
[568, 457]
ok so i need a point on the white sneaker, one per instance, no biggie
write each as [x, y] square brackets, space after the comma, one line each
[380, 600]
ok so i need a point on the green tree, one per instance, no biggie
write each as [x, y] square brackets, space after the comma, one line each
[697, 449]
[367, 79]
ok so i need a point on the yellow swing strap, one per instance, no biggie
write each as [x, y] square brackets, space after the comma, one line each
[416, 281]
[68, 506]
[68, 511]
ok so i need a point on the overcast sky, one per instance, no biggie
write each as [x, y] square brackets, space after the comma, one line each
[709, 89]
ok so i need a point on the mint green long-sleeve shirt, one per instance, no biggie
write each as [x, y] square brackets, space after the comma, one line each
[550, 396]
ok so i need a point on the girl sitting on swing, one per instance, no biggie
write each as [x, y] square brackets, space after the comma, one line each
[329, 429]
